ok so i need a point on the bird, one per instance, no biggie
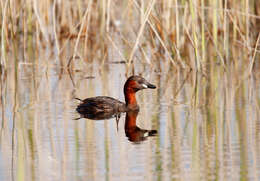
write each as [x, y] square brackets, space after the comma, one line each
[104, 105]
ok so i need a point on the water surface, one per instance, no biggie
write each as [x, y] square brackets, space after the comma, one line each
[208, 128]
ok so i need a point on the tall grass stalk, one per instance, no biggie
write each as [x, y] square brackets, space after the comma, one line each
[194, 32]
[163, 44]
[247, 21]
[137, 41]
[3, 48]
[108, 12]
[226, 31]
[252, 62]
[177, 25]
[40, 21]
[215, 22]
[55, 27]
[158, 36]
[103, 16]
[87, 27]
[81, 29]
[203, 43]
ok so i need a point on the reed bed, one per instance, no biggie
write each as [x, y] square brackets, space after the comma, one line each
[188, 34]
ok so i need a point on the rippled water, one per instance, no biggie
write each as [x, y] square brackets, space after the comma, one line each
[208, 128]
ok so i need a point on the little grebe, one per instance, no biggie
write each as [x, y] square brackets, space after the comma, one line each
[104, 104]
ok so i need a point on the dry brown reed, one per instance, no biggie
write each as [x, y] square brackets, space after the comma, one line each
[187, 33]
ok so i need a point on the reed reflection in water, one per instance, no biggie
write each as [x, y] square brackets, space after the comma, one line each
[208, 129]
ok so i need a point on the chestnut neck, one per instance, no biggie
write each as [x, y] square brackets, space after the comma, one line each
[130, 98]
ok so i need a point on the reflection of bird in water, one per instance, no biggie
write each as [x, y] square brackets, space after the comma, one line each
[103, 104]
[133, 132]
[102, 116]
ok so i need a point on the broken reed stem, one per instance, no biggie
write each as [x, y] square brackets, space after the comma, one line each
[253, 58]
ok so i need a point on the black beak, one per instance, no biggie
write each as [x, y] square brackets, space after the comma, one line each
[151, 86]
